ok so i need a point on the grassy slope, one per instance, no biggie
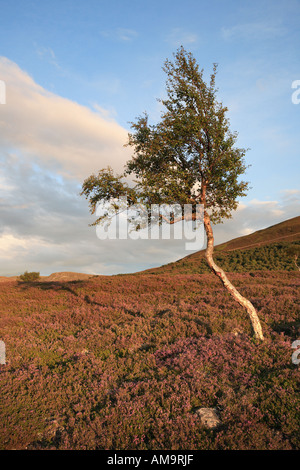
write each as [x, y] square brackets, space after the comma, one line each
[123, 362]
[264, 249]
[289, 230]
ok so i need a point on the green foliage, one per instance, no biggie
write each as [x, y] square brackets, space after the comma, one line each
[273, 257]
[29, 277]
[106, 187]
[269, 257]
[189, 157]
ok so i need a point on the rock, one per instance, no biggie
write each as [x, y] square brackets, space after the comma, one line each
[209, 417]
[49, 437]
[237, 331]
[52, 429]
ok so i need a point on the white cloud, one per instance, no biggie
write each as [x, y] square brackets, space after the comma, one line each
[256, 215]
[106, 114]
[47, 54]
[263, 203]
[246, 231]
[254, 30]
[126, 34]
[179, 37]
[62, 135]
[121, 34]
[12, 247]
[290, 192]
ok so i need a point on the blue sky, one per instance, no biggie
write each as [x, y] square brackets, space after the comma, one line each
[76, 73]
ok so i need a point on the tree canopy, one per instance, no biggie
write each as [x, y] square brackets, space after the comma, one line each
[189, 157]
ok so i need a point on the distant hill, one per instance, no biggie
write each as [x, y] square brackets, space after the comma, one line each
[67, 276]
[265, 249]
[55, 277]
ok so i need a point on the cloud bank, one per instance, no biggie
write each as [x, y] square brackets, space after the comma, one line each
[58, 133]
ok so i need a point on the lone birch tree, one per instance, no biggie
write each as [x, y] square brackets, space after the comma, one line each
[294, 251]
[189, 157]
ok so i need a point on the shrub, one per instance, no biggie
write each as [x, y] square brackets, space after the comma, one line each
[30, 277]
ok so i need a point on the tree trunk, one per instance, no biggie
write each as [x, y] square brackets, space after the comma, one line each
[227, 284]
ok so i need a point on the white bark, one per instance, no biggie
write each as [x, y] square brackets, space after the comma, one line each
[227, 284]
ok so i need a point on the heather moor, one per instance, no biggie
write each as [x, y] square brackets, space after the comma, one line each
[126, 361]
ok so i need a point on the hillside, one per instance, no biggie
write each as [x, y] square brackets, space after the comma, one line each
[265, 249]
[66, 276]
[289, 231]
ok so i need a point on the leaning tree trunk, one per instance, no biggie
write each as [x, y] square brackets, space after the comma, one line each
[227, 284]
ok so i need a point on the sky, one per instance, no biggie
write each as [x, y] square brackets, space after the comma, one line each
[74, 75]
